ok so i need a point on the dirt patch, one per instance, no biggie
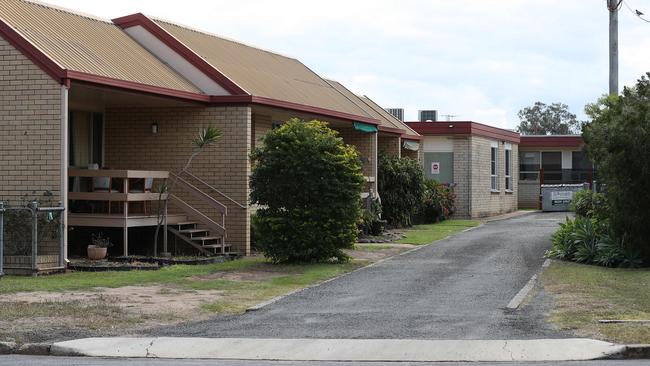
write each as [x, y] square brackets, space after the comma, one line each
[375, 252]
[149, 300]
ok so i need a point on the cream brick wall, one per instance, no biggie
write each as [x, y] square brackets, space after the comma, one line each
[131, 145]
[389, 145]
[366, 144]
[30, 128]
[484, 202]
[262, 124]
[463, 165]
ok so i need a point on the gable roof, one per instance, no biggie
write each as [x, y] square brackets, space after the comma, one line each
[262, 73]
[78, 46]
[73, 46]
[387, 122]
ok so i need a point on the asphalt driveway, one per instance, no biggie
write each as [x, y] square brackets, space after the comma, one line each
[457, 288]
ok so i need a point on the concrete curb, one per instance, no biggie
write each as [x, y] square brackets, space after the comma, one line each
[419, 247]
[34, 349]
[7, 347]
[341, 350]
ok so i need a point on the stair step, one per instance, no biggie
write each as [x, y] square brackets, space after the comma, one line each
[185, 223]
[206, 238]
[216, 246]
[192, 231]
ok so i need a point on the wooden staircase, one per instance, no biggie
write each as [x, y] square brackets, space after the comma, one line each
[205, 232]
[200, 238]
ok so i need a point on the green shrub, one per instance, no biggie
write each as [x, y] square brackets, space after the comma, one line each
[563, 243]
[581, 240]
[371, 222]
[307, 183]
[585, 239]
[587, 203]
[617, 141]
[437, 203]
[401, 188]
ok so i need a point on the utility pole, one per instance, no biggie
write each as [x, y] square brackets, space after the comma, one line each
[613, 6]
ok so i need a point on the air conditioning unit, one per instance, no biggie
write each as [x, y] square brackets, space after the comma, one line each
[396, 112]
[429, 115]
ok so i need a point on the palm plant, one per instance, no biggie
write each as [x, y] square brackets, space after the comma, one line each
[206, 136]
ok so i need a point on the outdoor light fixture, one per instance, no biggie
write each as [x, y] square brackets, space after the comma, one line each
[154, 128]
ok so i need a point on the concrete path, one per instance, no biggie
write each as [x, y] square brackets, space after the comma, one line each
[457, 288]
[356, 350]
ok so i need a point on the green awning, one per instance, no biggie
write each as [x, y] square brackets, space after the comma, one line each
[411, 145]
[365, 127]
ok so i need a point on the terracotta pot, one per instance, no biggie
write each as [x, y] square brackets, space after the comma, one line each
[96, 253]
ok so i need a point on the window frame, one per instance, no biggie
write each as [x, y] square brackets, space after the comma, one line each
[494, 167]
[508, 168]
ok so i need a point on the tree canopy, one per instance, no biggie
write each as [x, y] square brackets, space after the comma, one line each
[544, 119]
[618, 142]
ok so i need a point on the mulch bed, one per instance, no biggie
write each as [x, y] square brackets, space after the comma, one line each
[86, 265]
[165, 261]
[387, 236]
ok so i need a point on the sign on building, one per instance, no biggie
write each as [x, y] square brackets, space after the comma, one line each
[435, 167]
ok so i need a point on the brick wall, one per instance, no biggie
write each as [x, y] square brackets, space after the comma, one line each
[30, 128]
[366, 144]
[262, 124]
[483, 201]
[389, 145]
[463, 164]
[131, 145]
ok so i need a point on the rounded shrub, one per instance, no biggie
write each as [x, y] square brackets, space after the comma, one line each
[401, 188]
[308, 185]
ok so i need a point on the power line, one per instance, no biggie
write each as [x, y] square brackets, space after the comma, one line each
[636, 13]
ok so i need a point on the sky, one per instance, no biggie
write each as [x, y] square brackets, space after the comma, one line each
[478, 60]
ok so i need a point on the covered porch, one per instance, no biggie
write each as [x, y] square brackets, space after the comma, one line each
[124, 148]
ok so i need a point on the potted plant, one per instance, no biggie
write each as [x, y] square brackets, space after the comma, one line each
[97, 250]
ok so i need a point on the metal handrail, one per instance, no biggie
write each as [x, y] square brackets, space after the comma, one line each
[214, 189]
[202, 195]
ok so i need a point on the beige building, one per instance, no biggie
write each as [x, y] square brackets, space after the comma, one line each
[99, 112]
[550, 159]
[480, 162]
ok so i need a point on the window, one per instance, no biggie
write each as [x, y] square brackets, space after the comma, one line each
[552, 166]
[508, 168]
[529, 165]
[86, 136]
[493, 168]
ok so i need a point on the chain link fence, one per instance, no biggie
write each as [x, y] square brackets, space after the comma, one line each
[31, 239]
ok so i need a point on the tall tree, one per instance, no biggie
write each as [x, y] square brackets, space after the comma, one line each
[543, 119]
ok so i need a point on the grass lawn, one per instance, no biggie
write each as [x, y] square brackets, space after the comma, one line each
[426, 234]
[586, 294]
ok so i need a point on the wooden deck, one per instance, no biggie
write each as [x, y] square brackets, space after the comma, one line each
[124, 187]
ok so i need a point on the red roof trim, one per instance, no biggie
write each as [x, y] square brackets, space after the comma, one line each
[31, 51]
[130, 85]
[180, 48]
[411, 137]
[464, 128]
[551, 141]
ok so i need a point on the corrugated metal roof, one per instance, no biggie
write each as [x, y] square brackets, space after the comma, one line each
[263, 73]
[83, 43]
[373, 109]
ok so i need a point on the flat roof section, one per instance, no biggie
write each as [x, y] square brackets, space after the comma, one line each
[445, 128]
[551, 141]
